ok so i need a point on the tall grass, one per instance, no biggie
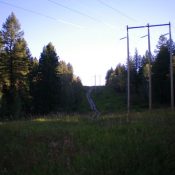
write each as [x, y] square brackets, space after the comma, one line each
[77, 145]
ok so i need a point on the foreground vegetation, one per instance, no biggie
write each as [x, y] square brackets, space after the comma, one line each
[78, 145]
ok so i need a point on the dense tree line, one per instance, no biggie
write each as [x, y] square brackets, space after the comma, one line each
[139, 79]
[29, 86]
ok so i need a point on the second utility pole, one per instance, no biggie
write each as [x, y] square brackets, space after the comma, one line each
[128, 76]
[149, 71]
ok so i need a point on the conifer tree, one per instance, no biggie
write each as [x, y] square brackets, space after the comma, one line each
[71, 88]
[47, 87]
[161, 72]
[14, 67]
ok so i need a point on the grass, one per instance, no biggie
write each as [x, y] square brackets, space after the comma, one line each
[107, 100]
[84, 105]
[78, 145]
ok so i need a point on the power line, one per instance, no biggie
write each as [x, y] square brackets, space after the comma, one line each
[116, 10]
[41, 14]
[74, 10]
[59, 20]
[82, 14]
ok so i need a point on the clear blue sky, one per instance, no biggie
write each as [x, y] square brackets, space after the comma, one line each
[86, 33]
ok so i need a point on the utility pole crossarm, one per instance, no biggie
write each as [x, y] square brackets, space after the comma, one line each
[137, 27]
[123, 38]
[157, 25]
[144, 36]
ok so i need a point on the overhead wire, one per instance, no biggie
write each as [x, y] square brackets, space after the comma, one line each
[116, 10]
[74, 10]
[60, 20]
[82, 14]
[41, 14]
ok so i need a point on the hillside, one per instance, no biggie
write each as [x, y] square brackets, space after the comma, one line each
[108, 101]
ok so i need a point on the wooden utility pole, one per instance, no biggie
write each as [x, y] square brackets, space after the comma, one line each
[149, 71]
[171, 70]
[128, 76]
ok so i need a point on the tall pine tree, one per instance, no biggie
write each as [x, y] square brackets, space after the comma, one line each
[161, 72]
[14, 67]
[47, 87]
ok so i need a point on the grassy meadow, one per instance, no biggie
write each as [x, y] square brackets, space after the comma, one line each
[109, 145]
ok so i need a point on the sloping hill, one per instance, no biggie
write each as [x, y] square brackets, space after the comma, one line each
[107, 100]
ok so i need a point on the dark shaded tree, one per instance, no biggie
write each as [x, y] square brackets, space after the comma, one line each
[71, 88]
[46, 81]
[79, 94]
[143, 75]
[117, 78]
[109, 76]
[135, 76]
[33, 80]
[161, 72]
[14, 68]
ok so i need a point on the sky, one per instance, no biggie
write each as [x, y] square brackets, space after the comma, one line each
[86, 33]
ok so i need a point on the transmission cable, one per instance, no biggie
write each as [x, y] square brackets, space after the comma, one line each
[74, 10]
[116, 10]
[43, 15]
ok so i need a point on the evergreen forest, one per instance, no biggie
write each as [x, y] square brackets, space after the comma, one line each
[34, 86]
